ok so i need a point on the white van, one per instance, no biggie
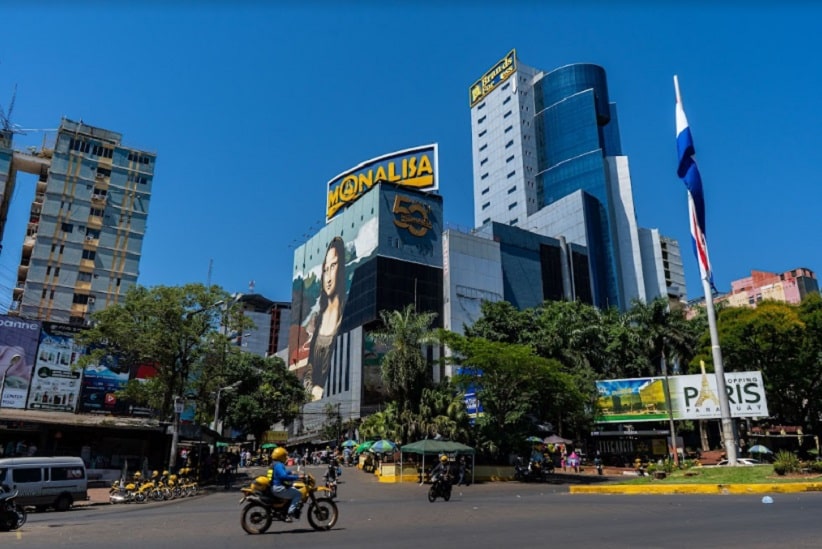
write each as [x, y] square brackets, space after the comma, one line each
[46, 481]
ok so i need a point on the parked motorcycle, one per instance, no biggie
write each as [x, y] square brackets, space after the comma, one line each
[12, 515]
[440, 488]
[261, 508]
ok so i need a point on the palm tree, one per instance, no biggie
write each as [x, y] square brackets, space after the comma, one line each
[404, 368]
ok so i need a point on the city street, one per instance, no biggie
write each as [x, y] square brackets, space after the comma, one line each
[483, 515]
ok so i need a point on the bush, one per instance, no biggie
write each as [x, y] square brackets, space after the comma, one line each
[787, 462]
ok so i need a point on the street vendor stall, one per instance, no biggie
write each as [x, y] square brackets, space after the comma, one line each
[437, 447]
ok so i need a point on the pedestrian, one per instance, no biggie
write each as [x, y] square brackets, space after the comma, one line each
[227, 469]
[573, 461]
[461, 470]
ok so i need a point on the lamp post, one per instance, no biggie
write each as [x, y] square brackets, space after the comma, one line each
[231, 387]
[175, 428]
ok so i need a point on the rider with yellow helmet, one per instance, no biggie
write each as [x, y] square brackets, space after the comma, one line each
[281, 482]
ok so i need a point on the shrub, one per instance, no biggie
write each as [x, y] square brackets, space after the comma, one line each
[786, 461]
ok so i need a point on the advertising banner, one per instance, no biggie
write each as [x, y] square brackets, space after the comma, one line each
[55, 385]
[692, 397]
[415, 168]
[100, 385]
[498, 74]
[18, 345]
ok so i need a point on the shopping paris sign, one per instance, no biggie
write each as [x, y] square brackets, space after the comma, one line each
[692, 397]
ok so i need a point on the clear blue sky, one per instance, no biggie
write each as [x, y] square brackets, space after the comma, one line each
[251, 109]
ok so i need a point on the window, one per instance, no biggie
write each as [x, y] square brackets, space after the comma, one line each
[514, 221]
[506, 115]
[512, 189]
[28, 474]
[485, 206]
[483, 132]
[483, 147]
[508, 129]
[67, 473]
[57, 271]
[89, 254]
[509, 144]
[512, 205]
[507, 99]
[83, 277]
[483, 176]
[486, 220]
[506, 86]
[483, 161]
[81, 299]
[98, 212]
[481, 105]
[509, 159]
[510, 175]
[45, 292]
[48, 270]
[485, 190]
[67, 227]
[481, 119]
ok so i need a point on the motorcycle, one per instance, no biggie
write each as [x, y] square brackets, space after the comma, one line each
[533, 472]
[12, 515]
[440, 488]
[331, 479]
[261, 507]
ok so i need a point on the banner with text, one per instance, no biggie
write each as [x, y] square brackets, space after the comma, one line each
[692, 397]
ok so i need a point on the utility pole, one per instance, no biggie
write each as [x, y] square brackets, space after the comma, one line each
[175, 428]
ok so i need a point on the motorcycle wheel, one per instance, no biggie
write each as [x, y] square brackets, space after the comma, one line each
[255, 519]
[322, 514]
[7, 521]
[432, 495]
[22, 516]
[140, 497]
[167, 493]
[446, 492]
[157, 495]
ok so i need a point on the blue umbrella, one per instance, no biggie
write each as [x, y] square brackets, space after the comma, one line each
[759, 449]
[383, 446]
[349, 443]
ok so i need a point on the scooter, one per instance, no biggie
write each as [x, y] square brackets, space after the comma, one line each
[12, 515]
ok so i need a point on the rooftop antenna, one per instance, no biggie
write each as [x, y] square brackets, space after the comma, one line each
[5, 116]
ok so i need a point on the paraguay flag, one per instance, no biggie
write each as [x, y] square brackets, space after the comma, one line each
[689, 173]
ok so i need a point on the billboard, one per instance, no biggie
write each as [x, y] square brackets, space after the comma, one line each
[415, 168]
[100, 384]
[498, 74]
[55, 384]
[18, 345]
[692, 397]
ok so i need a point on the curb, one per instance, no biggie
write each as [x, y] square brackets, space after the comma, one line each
[711, 489]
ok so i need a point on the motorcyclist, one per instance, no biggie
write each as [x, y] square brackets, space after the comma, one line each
[281, 483]
[441, 469]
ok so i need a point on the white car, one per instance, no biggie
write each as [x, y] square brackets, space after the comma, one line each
[740, 461]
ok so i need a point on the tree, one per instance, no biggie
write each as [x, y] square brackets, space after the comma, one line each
[404, 368]
[170, 327]
[663, 332]
[268, 393]
[513, 385]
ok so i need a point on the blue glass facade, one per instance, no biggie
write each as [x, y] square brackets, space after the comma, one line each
[576, 129]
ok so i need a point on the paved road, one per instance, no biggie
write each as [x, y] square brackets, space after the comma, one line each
[485, 515]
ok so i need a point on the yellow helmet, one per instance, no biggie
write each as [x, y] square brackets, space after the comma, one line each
[165, 473]
[262, 482]
[444, 458]
[154, 474]
[279, 454]
[138, 474]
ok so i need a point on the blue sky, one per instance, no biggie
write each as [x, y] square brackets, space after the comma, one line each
[252, 108]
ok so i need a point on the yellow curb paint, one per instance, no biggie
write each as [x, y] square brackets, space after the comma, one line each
[639, 489]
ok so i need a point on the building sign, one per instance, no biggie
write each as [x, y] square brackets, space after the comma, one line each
[56, 384]
[101, 382]
[412, 215]
[18, 345]
[692, 397]
[415, 168]
[493, 78]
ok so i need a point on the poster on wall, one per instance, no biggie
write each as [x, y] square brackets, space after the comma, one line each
[324, 269]
[18, 345]
[55, 384]
[100, 384]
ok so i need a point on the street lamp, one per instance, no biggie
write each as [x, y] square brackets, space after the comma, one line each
[231, 387]
[175, 429]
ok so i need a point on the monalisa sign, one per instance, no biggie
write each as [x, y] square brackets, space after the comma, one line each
[415, 168]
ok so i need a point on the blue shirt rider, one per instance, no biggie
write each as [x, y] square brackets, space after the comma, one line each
[281, 483]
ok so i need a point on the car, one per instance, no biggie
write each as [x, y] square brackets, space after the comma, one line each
[740, 461]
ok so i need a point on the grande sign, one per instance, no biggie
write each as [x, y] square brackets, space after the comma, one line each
[692, 397]
[498, 74]
[415, 168]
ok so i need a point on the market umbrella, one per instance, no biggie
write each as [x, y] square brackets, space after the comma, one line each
[364, 446]
[383, 446]
[268, 446]
[759, 449]
[349, 443]
[556, 439]
[533, 439]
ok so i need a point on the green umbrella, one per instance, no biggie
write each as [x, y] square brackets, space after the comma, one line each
[268, 446]
[533, 439]
[364, 446]
[383, 446]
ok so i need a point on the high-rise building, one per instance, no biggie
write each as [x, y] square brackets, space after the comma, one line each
[790, 287]
[271, 325]
[547, 158]
[87, 221]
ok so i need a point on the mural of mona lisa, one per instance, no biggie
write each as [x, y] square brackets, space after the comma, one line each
[327, 321]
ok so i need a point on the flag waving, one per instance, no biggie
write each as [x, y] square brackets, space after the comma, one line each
[689, 173]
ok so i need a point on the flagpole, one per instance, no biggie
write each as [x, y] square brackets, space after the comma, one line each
[719, 370]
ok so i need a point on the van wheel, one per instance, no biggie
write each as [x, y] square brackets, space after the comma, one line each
[40, 508]
[63, 503]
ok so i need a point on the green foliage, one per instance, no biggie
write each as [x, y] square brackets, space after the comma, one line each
[786, 461]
